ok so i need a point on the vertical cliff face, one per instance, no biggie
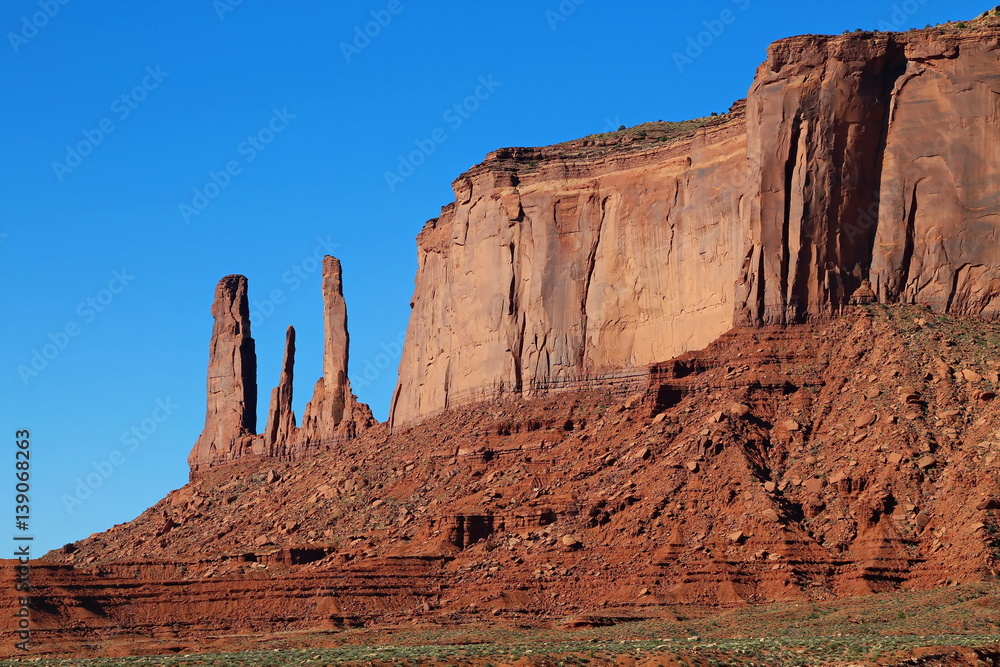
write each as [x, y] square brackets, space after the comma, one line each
[574, 262]
[332, 416]
[938, 238]
[867, 157]
[876, 158]
[816, 120]
[232, 375]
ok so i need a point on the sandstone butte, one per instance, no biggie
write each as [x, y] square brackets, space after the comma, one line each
[852, 158]
[636, 376]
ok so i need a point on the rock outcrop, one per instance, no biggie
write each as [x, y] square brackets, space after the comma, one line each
[331, 417]
[562, 264]
[280, 417]
[873, 157]
[333, 409]
[231, 416]
[868, 156]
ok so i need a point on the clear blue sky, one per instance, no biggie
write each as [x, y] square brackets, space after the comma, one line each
[113, 112]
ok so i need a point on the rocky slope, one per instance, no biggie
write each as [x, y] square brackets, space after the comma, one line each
[779, 464]
[861, 157]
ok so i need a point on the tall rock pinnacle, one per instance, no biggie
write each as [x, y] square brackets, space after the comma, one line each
[333, 413]
[231, 415]
[331, 417]
[280, 418]
[335, 351]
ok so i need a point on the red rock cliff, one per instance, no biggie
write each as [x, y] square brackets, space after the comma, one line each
[575, 261]
[861, 157]
[873, 157]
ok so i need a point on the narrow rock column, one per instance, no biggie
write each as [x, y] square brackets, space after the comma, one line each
[280, 418]
[332, 403]
[232, 377]
[337, 341]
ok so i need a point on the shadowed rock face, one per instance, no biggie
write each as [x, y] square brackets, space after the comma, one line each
[861, 157]
[232, 375]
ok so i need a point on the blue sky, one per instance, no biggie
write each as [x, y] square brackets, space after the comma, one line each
[149, 148]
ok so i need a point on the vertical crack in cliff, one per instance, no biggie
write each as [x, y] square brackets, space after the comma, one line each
[760, 289]
[512, 289]
[790, 163]
[518, 356]
[513, 311]
[908, 240]
[447, 383]
[956, 279]
[591, 263]
[895, 67]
